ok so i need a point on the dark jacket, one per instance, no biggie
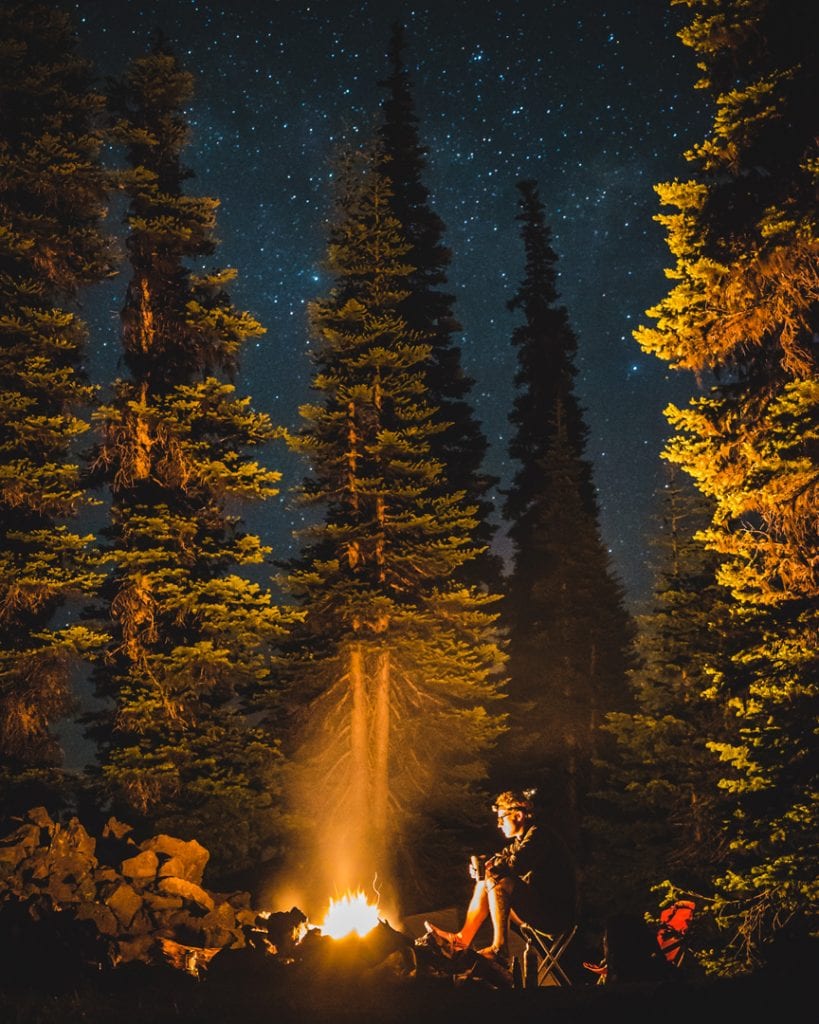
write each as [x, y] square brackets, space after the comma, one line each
[545, 894]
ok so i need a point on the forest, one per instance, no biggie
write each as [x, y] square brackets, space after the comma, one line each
[350, 712]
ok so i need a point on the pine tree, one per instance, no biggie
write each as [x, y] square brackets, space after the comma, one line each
[52, 199]
[743, 313]
[662, 813]
[461, 446]
[191, 633]
[569, 632]
[399, 662]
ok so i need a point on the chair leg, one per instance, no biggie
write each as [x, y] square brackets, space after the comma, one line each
[549, 970]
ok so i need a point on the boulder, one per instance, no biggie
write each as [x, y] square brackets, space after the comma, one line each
[103, 917]
[142, 867]
[107, 901]
[19, 843]
[41, 818]
[158, 904]
[73, 839]
[114, 829]
[139, 947]
[189, 891]
[125, 902]
[189, 856]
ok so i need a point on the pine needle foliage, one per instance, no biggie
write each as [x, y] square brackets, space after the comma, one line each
[398, 662]
[429, 309]
[662, 814]
[569, 633]
[52, 201]
[743, 313]
[191, 631]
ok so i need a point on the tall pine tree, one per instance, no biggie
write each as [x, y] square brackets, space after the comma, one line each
[398, 660]
[662, 810]
[569, 633]
[743, 312]
[190, 633]
[461, 446]
[52, 199]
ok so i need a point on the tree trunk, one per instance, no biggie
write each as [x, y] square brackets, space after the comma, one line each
[358, 736]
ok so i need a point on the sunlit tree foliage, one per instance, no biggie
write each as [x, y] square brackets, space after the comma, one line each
[742, 314]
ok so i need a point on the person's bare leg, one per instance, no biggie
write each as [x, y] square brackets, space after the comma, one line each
[476, 914]
[499, 898]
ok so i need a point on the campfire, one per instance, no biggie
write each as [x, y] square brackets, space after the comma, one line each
[351, 914]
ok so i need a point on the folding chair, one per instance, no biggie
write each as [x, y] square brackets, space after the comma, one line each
[548, 951]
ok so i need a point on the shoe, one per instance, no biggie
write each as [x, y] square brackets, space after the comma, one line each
[448, 942]
[497, 956]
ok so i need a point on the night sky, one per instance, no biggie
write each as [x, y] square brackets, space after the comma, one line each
[594, 100]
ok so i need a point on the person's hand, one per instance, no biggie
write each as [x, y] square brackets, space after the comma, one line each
[476, 865]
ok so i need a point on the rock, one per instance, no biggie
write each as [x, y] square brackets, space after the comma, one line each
[187, 890]
[158, 904]
[74, 837]
[141, 867]
[192, 857]
[41, 818]
[239, 900]
[140, 947]
[105, 874]
[114, 829]
[222, 916]
[124, 902]
[25, 838]
[220, 927]
[174, 867]
[60, 891]
[71, 888]
[103, 917]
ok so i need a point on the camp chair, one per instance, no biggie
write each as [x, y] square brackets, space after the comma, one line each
[548, 951]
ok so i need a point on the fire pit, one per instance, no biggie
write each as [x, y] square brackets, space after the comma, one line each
[351, 914]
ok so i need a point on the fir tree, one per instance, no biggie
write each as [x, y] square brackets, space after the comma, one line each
[569, 633]
[52, 199]
[190, 633]
[461, 446]
[662, 811]
[399, 661]
[743, 312]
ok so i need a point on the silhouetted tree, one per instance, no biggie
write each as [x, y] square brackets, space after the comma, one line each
[428, 309]
[569, 633]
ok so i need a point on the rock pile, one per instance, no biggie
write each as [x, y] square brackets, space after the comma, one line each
[117, 899]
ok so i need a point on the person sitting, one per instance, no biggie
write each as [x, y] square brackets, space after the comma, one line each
[531, 880]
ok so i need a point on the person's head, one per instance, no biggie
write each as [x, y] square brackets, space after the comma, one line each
[515, 810]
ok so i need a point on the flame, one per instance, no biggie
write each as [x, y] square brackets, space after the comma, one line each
[351, 913]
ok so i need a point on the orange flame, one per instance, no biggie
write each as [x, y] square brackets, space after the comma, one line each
[351, 913]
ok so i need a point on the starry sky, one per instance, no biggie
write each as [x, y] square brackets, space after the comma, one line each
[592, 98]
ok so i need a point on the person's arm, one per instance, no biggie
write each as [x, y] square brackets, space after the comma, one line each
[528, 853]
